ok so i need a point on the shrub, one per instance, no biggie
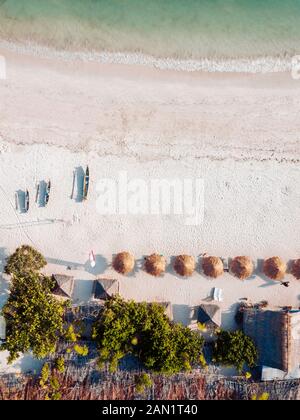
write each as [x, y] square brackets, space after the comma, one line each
[70, 334]
[24, 260]
[142, 382]
[45, 373]
[263, 397]
[235, 349]
[145, 331]
[81, 350]
[60, 364]
[34, 317]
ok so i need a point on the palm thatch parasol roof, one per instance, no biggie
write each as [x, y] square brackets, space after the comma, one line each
[103, 289]
[123, 262]
[210, 315]
[295, 270]
[242, 267]
[274, 268]
[63, 286]
[184, 265]
[155, 264]
[212, 266]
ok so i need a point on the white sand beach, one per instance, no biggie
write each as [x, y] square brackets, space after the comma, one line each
[238, 132]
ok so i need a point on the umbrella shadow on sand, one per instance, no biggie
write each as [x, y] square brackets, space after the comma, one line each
[259, 273]
[183, 314]
[100, 267]
[83, 291]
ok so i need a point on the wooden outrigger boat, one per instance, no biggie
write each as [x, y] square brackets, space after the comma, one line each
[47, 194]
[26, 203]
[86, 183]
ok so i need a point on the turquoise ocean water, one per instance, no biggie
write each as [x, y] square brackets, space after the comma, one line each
[181, 29]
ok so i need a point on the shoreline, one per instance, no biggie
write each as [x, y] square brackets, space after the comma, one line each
[250, 65]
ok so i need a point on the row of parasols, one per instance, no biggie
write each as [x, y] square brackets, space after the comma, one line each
[241, 267]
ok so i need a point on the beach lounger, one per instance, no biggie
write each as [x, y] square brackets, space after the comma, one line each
[2, 329]
[225, 262]
[218, 294]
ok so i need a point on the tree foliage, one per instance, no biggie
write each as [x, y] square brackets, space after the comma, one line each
[145, 331]
[24, 260]
[34, 317]
[235, 349]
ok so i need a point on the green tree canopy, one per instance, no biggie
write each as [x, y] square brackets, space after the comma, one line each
[24, 260]
[34, 317]
[144, 330]
[235, 349]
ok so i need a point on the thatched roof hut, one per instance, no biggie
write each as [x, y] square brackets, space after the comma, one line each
[242, 267]
[209, 315]
[63, 286]
[274, 268]
[212, 266]
[295, 270]
[104, 289]
[155, 264]
[275, 334]
[184, 265]
[123, 262]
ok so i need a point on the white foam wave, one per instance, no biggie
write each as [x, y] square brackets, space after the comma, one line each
[238, 65]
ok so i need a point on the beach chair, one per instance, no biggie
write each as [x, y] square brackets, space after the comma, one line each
[218, 294]
[225, 262]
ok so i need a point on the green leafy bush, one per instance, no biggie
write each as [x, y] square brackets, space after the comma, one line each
[142, 382]
[60, 364]
[24, 260]
[33, 316]
[235, 349]
[145, 331]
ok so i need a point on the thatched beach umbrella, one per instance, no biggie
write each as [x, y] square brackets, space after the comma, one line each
[274, 268]
[296, 269]
[241, 267]
[212, 266]
[155, 264]
[184, 265]
[123, 262]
